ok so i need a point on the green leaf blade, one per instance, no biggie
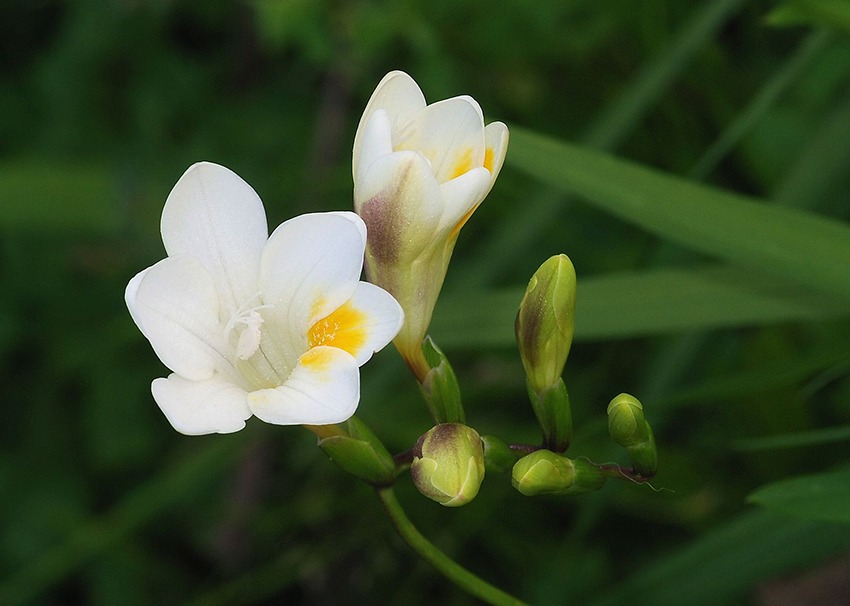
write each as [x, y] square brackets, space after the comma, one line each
[633, 304]
[823, 497]
[797, 246]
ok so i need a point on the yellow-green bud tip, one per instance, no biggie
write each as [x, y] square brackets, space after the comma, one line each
[626, 423]
[448, 464]
[544, 472]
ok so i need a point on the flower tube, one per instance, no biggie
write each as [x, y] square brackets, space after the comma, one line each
[251, 324]
[420, 171]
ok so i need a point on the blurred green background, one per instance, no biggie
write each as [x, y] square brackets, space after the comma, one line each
[726, 315]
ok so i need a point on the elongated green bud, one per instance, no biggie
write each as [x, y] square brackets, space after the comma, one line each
[544, 331]
[440, 387]
[448, 464]
[544, 472]
[546, 322]
[361, 454]
[629, 428]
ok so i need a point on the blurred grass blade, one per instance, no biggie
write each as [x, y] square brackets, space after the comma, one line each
[635, 304]
[43, 197]
[785, 373]
[829, 13]
[795, 245]
[823, 497]
[609, 127]
[100, 534]
[815, 437]
[821, 166]
[723, 566]
[613, 123]
[788, 74]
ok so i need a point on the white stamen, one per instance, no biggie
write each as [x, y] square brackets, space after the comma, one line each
[249, 338]
[250, 323]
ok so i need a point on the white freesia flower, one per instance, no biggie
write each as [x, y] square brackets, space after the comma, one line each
[275, 326]
[419, 173]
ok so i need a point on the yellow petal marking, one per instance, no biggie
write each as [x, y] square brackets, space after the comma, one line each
[317, 305]
[463, 164]
[317, 360]
[343, 329]
[488, 159]
[488, 164]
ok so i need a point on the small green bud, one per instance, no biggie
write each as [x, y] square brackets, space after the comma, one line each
[361, 454]
[626, 422]
[546, 321]
[448, 464]
[440, 387]
[544, 472]
[629, 428]
[498, 456]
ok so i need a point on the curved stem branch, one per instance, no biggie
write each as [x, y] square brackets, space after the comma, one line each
[453, 571]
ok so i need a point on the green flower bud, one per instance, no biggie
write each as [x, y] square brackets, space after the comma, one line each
[448, 464]
[629, 428]
[361, 454]
[498, 456]
[439, 387]
[544, 472]
[546, 321]
[626, 422]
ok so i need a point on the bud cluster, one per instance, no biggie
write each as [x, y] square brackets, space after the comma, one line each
[420, 171]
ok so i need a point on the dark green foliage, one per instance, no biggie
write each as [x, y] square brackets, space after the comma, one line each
[743, 369]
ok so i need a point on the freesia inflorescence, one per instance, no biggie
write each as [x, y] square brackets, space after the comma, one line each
[278, 326]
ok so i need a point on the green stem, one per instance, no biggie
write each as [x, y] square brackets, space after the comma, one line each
[453, 571]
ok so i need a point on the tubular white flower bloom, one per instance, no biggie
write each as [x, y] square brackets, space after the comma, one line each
[250, 324]
[420, 171]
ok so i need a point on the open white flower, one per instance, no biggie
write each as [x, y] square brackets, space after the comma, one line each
[420, 171]
[275, 326]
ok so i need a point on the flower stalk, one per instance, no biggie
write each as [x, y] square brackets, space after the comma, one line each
[429, 552]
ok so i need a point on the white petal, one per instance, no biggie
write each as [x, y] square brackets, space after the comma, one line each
[130, 298]
[354, 218]
[368, 322]
[463, 195]
[375, 140]
[200, 407]
[176, 306]
[323, 389]
[216, 217]
[400, 202]
[450, 134]
[399, 95]
[311, 265]
[496, 144]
